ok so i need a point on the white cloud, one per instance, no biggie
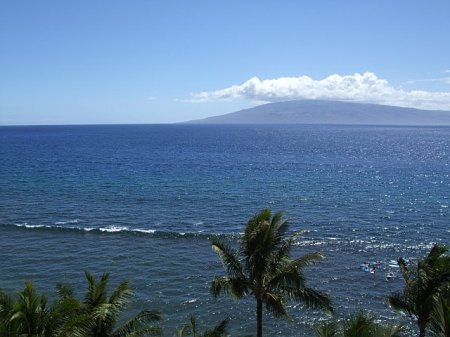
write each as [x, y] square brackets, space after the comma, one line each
[445, 79]
[365, 87]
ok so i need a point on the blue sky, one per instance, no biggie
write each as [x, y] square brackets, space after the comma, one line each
[83, 62]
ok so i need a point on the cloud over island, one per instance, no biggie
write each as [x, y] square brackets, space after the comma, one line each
[366, 87]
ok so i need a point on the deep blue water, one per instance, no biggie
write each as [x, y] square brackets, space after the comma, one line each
[142, 202]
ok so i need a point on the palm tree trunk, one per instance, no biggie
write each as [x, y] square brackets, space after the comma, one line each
[259, 317]
[422, 325]
[422, 332]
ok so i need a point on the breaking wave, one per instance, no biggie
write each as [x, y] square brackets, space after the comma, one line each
[124, 230]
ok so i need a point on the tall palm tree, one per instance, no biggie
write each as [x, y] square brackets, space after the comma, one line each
[422, 282]
[262, 267]
[97, 315]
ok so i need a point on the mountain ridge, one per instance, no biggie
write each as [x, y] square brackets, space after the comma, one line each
[330, 112]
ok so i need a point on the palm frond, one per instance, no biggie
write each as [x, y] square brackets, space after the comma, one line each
[275, 304]
[236, 287]
[6, 304]
[240, 288]
[255, 232]
[96, 290]
[279, 226]
[389, 331]
[313, 299]
[329, 329]
[286, 280]
[138, 325]
[277, 229]
[229, 258]
[220, 330]
[219, 285]
[436, 253]
[361, 325]
[121, 296]
[106, 312]
[306, 260]
[406, 270]
[399, 302]
[143, 332]
[440, 316]
[184, 331]
[64, 290]
[252, 225]
[286, 247]
[75, 326]
[262, 216]
[146, 316]
[288, 274]
[292, 269]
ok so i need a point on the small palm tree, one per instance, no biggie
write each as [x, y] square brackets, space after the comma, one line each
[98, 314]
[440, 316]
[7, 328]
[32, 312]
[26, 316]
[360, 325]
[220, 330]
[263, 268]
[422, 282]
[65, 311]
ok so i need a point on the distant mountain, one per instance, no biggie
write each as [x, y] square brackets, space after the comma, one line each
[330, 112]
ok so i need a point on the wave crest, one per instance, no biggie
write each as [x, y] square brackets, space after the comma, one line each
[108, 230]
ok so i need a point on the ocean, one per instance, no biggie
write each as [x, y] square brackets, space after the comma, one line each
[143, 202]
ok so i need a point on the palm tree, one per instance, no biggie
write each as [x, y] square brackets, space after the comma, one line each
[65, 311]
[220, 330]
[440, 317]
[422, 282]
[360, 325]
[26, 316]
[263, 268]
[365, 325]
[6, 311]
[29, 315]
[98, 313]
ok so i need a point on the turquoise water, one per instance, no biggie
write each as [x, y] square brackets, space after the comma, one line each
[142, 202]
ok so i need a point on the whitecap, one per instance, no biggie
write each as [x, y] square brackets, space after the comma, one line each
[148, 231]
[113, 229]
[26, 225]
[66, 222]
